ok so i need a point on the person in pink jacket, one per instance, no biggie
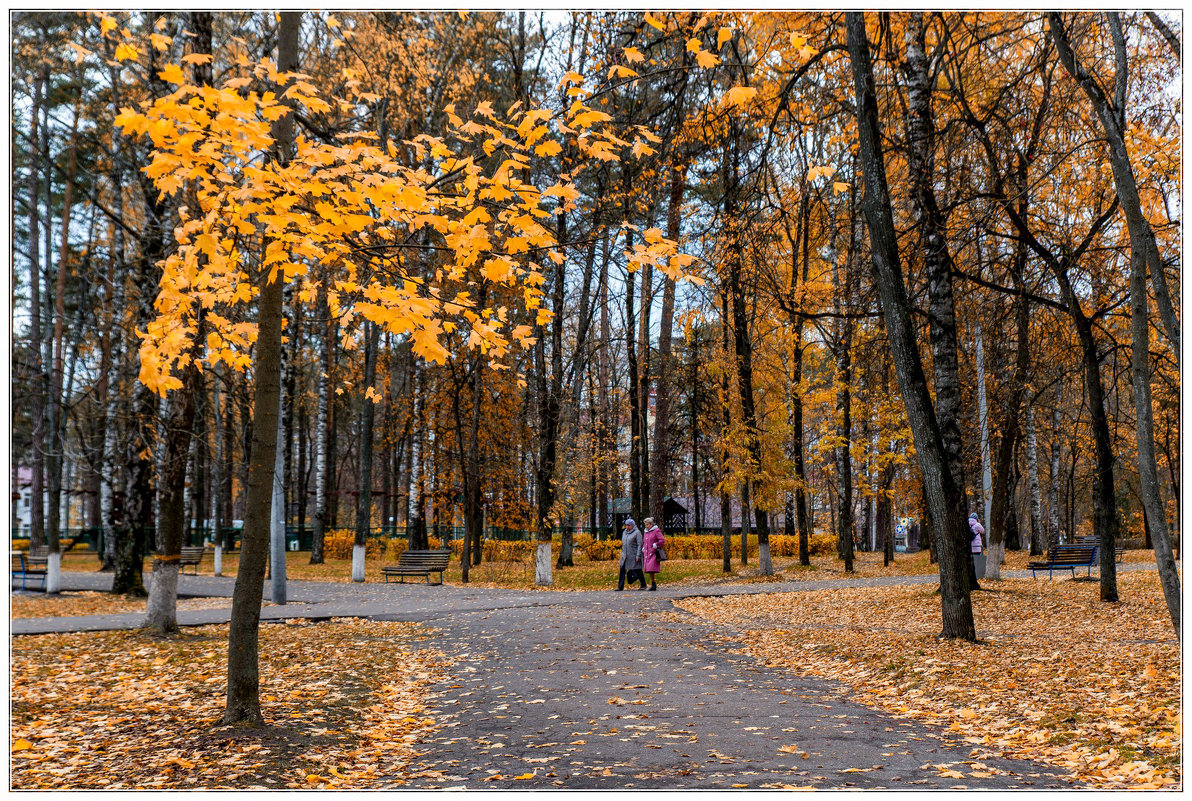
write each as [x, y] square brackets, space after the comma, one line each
[653, 541]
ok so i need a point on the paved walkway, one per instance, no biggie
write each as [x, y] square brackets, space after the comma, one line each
[615, 690]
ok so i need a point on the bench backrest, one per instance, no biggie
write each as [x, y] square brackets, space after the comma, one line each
[435, 560]
[1073, 555]
[193, 550]
[18, 563]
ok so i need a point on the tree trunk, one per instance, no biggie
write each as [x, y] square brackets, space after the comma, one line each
[635, 400]
[550, 391]
[322, 428]
[660, 462]
[1032, 466]
[161, 612]
[243, 698]
[37, 410]
[364, 504]
[983, 425]
[944, 493]
[1144, 254]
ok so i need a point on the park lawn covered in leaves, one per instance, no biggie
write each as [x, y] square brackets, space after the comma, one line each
[1058, 675]
[344, 703]
[88, 602]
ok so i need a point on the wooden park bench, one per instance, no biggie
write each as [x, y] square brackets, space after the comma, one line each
[1067, 557]
[193, 556]
[418, 563]
[29, 567]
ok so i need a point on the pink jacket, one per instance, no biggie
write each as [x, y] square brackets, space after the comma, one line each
[977, 530]
[653, 538]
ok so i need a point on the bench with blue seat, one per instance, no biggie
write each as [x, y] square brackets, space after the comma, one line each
[29, 567]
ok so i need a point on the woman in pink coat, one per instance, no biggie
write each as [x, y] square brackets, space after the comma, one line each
[653, 541]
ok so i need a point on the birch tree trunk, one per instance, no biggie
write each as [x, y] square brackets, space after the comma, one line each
[37, 368]
[1032, 466]
[983, 423]
[322, 428]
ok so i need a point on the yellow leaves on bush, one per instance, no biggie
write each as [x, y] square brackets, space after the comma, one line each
[710, 546]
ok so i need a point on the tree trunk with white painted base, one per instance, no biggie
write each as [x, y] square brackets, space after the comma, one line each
[161, 612]
[358, 563]
[54, 573]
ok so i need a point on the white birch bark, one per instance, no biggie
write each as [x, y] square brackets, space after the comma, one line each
[983, 420]
[415, 495]
[1053, 489]
[1032, 466]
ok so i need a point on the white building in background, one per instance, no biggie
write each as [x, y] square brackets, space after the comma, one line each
[22, 501]
[22, 504]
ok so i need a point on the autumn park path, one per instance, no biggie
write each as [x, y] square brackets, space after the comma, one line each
[616, 690]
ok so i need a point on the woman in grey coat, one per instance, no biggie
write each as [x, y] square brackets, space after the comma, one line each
[631, 556]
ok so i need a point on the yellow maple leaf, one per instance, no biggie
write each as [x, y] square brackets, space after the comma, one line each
[22, 745]
[707, 60]
[172, 73]
[524, 776]
[654, 22]
[739, 95]
[693, 45]
[633, 55]
[125, 52]
[107, 25]
[722, 36]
